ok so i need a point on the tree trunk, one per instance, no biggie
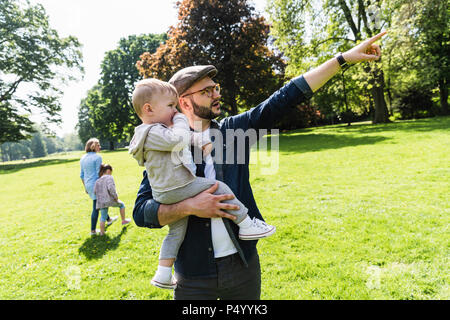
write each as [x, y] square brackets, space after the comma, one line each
[111, 145]
[443, 94]
[5, 153]
[381, 111]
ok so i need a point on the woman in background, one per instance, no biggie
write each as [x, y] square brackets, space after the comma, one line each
[90, 165]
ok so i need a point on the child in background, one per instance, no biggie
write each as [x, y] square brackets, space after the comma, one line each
[161, 144]
[105, 191]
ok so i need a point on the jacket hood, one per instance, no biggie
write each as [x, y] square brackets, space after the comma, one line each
[136, 147]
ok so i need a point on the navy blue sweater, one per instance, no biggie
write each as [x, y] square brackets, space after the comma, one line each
[196, 255]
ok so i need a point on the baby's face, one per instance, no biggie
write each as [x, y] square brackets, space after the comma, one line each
[165, 106]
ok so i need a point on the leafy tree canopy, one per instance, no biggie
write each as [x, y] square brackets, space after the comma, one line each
[229, 35]
[107, 112]
[34, 61]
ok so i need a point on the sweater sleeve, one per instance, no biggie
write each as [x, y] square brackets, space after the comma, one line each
[112, 188]
[145, 211]
[161, 138]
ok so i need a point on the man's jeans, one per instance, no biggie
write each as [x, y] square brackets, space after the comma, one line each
[233, 282]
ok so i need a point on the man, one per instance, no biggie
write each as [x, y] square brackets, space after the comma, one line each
[212, 262]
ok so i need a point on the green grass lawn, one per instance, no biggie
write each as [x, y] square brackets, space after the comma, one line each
[362, 212]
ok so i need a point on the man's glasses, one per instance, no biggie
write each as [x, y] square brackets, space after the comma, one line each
[208, 91]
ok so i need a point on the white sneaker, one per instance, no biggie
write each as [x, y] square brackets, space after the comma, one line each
[258, 230]
[112, 220]
[172, 284]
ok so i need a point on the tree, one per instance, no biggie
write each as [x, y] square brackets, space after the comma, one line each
[85, 127]
[230, 36]
[71, 141]
[433, 21]
[118, 77]
[427, 41]
[32, 57]
[107, 112]
[15, 150]
[37, 146]
[50, 143]
[309, 32]
[99, 116]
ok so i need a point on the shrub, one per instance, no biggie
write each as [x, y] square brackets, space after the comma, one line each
[302, 116]
[414, 103]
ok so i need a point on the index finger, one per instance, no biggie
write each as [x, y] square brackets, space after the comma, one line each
[376, 37]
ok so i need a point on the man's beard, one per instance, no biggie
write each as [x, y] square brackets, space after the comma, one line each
[204, 112]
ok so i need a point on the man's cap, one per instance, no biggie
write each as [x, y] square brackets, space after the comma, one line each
[185, 78]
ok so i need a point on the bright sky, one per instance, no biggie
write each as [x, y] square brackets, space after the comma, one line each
[99, 25]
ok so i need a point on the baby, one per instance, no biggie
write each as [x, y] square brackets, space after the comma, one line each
[162, 144]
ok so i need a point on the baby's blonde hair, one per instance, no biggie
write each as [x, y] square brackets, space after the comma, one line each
[145, 90]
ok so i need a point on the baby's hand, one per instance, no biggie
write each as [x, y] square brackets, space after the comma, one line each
[207, 148]
[176, 115]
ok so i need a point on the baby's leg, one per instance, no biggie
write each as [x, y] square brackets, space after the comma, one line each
[200, 185]
[169, 250]
[172, 242]
[241, 213]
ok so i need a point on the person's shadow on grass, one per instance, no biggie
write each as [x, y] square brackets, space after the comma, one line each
[95, 247]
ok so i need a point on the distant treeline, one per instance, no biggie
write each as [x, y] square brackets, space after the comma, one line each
[39, 146]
